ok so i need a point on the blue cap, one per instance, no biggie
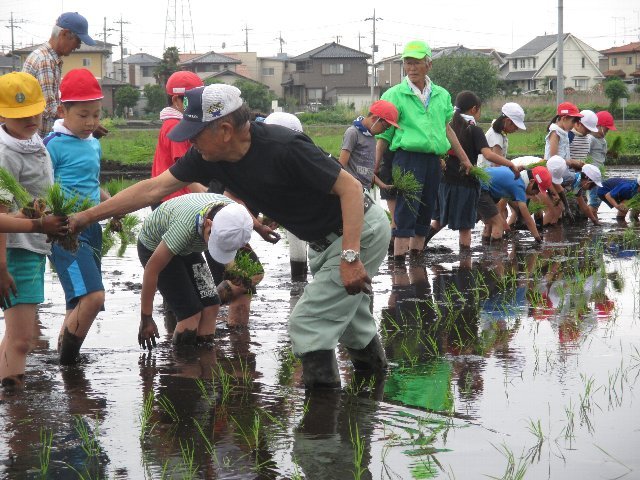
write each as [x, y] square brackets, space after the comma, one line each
[77, 24]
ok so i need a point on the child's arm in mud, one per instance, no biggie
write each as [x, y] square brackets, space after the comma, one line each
[158, 261]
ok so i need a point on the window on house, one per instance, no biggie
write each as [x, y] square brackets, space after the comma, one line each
[614, 61]
[581, 83]
[147, 71]
[268, 72]
[553, 62]
[629, 60]
[522, 63]
[534, 62]
[515, 64]
[583, 62]
[332, 68]
[86, 62]
[314, 94]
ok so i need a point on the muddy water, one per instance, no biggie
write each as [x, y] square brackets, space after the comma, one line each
[511, 359]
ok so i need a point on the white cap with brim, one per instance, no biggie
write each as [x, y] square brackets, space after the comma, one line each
[515, 113]
[557, 166]
[231, 230]
[593, 173]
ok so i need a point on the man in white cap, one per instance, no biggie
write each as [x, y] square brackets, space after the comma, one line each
[170, 247]
[282, 174]
[45, 62]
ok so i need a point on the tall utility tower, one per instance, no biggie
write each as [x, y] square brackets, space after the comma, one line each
[176, 16]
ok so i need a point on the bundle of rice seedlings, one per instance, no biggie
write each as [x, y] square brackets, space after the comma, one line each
[59, 203]
[243, 269]
[10, 185]
[535, 207]
[407, 185]
[633, 203]
[541, 163]
[124, 229]
[481, 174]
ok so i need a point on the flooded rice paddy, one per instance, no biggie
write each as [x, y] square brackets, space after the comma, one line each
[515, 361]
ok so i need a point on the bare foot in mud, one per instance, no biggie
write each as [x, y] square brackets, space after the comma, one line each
[13, 382]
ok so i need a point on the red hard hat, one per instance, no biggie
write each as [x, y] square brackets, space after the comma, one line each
[79, 85]
[182, 81]
[386, 111]
[605, 119]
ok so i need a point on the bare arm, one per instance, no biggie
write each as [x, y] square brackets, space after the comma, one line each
[528, 221]
[158, 261]
[354, 276]
[617, 205]
[345, 155]
[498, 159]
[381, 149]
[267, 233]
[142, 194]
[457, 149]
[554, 141]
[7, 285]
[584, 208]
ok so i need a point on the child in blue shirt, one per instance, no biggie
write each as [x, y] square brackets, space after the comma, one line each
[615, 191]
[75, 155]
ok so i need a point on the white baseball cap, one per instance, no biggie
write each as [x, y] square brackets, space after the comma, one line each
[203, 105]
[232, 227]
[514, 112]
[593, 173]
[589, 120]
[557, 167]
[284, 119]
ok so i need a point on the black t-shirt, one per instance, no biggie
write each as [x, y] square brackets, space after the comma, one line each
[283, 175]
[472, 146]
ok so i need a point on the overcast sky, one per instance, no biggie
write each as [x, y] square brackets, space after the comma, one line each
[504, 25]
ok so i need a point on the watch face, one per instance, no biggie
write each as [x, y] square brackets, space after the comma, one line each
[349, 256]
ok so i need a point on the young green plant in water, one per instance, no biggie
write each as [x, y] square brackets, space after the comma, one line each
[535, 207]
[125, 227]
[242, 270]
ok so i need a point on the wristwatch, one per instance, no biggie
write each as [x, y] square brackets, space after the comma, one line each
[349, 256]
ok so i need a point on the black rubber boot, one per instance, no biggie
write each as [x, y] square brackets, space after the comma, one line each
[371, 358]
[69, 348]
[298, 271]
[320, 369]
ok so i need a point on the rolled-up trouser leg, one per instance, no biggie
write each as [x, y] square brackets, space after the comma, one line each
[325, 313]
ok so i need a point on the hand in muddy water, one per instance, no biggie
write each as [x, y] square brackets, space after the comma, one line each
[148, 332]
[355, 278]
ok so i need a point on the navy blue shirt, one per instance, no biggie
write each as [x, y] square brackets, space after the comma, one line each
[610, 183]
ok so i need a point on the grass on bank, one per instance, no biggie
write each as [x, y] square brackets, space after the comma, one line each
[136, 147]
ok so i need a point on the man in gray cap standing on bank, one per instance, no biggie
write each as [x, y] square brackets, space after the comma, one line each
[45, 62]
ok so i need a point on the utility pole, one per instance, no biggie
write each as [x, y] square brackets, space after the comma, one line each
[246, 37]
[121, 22]
[13, 24]
[374, 49]
[280, 40]
[338, 37]
[395, 51]
[105, 30]
[560, 56]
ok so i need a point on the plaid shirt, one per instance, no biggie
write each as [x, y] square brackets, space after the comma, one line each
[45, 64]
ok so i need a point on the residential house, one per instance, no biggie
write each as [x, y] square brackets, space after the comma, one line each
[533, 66]
[9, 63]
[623, 62]
[389, 71]
[229, 77]
[136, 70]
[208, 63]
[109, 88]
[326, 74]
[96, 58]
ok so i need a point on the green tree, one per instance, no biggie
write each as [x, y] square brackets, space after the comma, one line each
[257, 95]
[126, 97]
[156, 98]
[614, 90]
[167, 66]
[458, 73]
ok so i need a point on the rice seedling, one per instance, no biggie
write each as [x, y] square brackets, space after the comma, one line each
[247, 377]
[358, 451]
[44, 453]
[513, 471]
[8, 184]
[125, 229]
[287, 363]
[243, 269]
[481, 174]
[541, 163]
[145, 416]
[535, 207]
[116, 185]
[633, 203]
[169, 408]
[408, 186]
[208, 445]
[205, 393]
[62, 204]
[89, 438]
[189, 466]
[225, 384]
[250, 435]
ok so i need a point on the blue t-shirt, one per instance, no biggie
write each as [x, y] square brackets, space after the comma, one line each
[503, 185]
[76, 164]
[624, 191]
[610, 183]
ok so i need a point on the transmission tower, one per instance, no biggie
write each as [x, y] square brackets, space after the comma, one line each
[179, 25]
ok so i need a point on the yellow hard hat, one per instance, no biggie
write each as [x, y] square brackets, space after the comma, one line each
[20, 96]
